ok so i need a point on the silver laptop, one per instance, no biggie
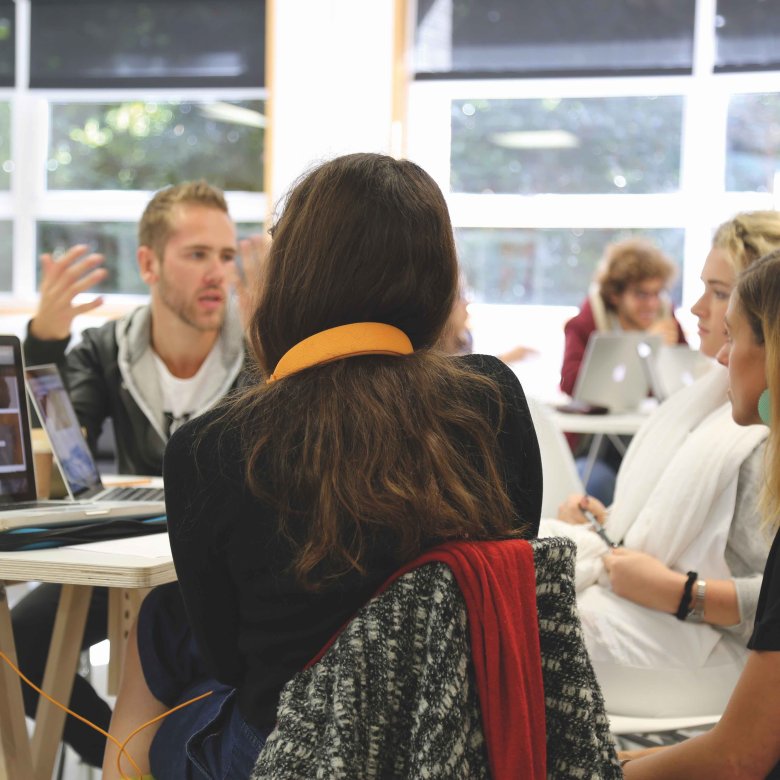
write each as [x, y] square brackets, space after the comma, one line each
[611, 374]
[18, 505]
[71, 452]
[672, 367]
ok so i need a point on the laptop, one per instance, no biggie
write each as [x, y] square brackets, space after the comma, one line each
[69, 447]
[672, 367]
[612, 374]
[18, 505]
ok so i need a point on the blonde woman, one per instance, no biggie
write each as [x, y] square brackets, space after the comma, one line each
[745, 744]
[685, 503]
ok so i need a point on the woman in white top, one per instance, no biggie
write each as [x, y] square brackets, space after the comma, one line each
[667, 614]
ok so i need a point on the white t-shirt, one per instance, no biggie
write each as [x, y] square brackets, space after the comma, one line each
[184, 397]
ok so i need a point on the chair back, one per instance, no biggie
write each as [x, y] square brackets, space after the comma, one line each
[559, 471]
[395, 696]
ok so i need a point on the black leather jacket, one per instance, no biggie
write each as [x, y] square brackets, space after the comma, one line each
[110, 373]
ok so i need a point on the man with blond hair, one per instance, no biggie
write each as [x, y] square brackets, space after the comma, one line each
[149, 371]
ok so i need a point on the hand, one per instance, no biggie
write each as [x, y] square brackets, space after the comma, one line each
[517, 354]
[643, 579]
[666, 329]
[61, 281]
[569, 510]
[253, 251]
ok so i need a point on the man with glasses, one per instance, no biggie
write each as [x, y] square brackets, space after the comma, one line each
[630, 293]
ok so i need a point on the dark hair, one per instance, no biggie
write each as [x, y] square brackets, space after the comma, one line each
[631, 262]
[758, 297]
[396, 446]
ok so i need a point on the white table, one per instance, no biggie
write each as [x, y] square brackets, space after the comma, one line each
[127, 567]
[613, 426]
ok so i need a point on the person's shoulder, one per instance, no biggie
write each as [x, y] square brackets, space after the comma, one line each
[493, 368]
[202, 435]
[583, 318]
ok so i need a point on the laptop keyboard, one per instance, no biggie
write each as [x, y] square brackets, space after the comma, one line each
[133, 494]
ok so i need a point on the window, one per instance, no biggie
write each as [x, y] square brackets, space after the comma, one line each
[489, 38]
[106, 103]
[555, 127]
[566, 145]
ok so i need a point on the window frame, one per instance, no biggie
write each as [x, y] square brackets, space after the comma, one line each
[28, 200]
[699, 205]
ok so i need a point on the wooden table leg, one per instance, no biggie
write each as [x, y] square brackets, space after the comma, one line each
[15, 754]
[123, 606]
[61, 667]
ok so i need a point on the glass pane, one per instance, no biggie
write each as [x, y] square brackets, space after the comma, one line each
[6, 164]
[571, 145]
[117, 241]
[747, 35]
[552, 267]
[7, 43]
[753, 143]
[491, 38]
[139, 145]
[6, 255]
[133, 44]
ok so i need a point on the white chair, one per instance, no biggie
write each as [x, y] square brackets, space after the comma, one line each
[558, 468]
[649, 732]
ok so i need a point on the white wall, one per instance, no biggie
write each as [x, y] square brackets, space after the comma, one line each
[332, 83]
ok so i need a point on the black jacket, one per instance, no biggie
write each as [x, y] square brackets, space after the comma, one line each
[111, 373]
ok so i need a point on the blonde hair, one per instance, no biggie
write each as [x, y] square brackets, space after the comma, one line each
[758, 296]
[748, 236]
[628, 262]
[156, 223]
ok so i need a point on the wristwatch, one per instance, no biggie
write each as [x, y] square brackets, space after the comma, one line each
[696, 614]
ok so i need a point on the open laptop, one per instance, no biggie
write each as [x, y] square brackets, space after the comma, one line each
[18, 505]
[611, 374]
[69, 447]
[672, 367]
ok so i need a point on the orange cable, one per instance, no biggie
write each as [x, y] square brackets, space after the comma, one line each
[121, 745]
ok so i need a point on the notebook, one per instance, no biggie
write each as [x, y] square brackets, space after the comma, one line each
[18, 505]
[671, 368]
[69, 447]
[611, 373]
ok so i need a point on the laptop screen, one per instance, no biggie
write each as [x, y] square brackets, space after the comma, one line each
[17, 478]
[62, 426]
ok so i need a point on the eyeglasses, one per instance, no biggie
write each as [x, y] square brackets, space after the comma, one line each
[646, 295]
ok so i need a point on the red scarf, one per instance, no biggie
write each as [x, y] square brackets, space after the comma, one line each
[498, 583]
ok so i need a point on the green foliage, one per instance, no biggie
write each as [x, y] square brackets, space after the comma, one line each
[581, 145]
[139, 145]
[536, 266]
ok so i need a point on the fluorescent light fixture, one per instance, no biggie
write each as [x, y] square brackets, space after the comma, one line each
[234, 115]
[536, 139]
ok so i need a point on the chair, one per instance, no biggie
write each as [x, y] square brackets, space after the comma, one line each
[559, 471]
[395, 696]
[649, 732]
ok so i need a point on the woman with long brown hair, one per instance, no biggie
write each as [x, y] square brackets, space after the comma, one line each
[357, 447]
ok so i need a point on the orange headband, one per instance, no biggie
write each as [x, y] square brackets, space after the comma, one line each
[359, 338]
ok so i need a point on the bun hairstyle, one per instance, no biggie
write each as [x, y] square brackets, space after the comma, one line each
[398, 447]
[758, 296]
[748, 236]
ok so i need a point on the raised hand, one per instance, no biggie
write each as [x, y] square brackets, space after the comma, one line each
[61, 281]
[666, 329]
[253, 252]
